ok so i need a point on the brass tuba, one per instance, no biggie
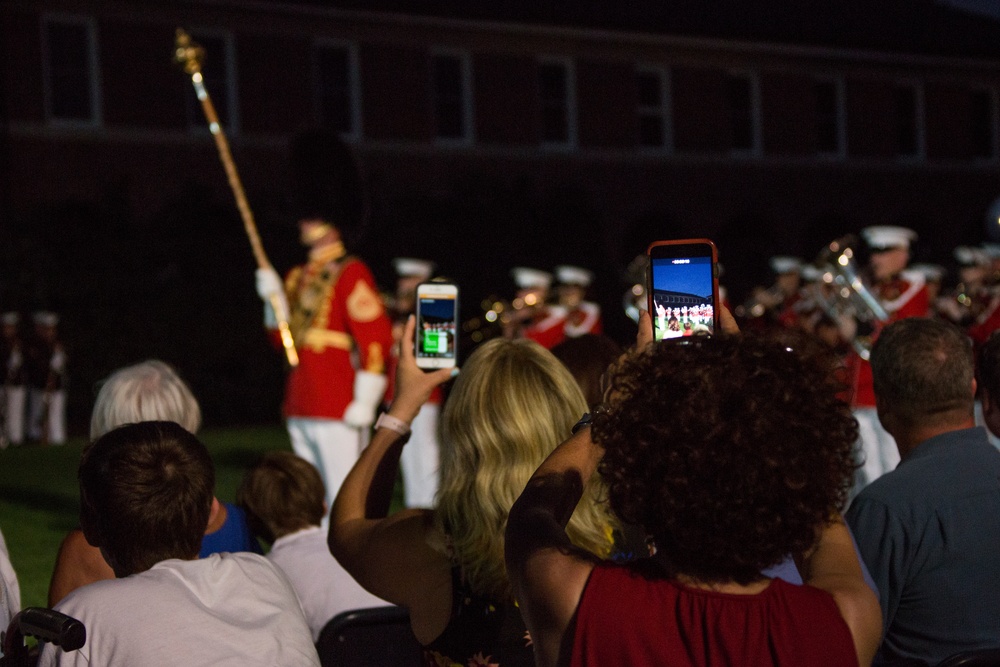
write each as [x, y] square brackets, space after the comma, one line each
[844, 297]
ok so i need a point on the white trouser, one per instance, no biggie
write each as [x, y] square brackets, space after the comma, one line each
[13, 427]
[420, 460]
[332, 446]
[54, 416]
[876, 449]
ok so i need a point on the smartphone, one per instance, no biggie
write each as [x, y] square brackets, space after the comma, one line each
[437, 325]
[682, 288]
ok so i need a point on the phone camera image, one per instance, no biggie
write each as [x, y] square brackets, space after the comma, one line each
[437, 322]
[682, 297]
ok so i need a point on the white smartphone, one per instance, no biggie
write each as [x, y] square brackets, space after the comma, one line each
[437, 325]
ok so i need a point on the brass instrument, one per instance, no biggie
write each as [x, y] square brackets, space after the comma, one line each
[760, 302]
[844, 296]
[189, 55]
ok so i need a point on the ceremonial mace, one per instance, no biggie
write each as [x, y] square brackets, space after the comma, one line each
[189, 55]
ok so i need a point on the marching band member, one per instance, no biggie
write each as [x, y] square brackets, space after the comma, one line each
[533, 317]
[337, 318]
[14, 391]
[582, 317]
[902, 294]
[46, 374]
[421, 456]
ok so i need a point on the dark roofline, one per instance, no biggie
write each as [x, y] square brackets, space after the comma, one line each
[917, 27]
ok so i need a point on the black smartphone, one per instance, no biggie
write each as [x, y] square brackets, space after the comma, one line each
[437, 325]
[682, 288]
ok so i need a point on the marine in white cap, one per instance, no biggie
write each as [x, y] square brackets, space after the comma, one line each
[531, 315]
[45, 366]
[902, 294]
[14, 381]
[582, 316]
[421, 457]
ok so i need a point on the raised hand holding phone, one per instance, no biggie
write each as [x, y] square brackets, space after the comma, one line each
[436, 337]
[683, 288]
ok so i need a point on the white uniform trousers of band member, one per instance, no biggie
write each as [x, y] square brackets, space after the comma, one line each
[330, 445]
[47, 412]
[421, 458]
[13, 416]
[876, 450]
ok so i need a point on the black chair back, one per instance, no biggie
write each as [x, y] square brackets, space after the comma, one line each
[373, 637]
[985, 657]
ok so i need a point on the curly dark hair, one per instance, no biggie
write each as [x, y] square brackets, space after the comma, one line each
[731, 451]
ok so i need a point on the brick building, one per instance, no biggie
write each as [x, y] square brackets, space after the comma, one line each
[490, 135]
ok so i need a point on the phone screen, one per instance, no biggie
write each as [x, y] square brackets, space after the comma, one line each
[437, 324]
[683, 295]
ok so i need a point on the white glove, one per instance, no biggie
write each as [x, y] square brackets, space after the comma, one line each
[271, 290]
[368, 391]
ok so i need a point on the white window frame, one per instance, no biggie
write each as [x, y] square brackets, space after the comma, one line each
[353, 82]
[919, 120]
[572, 131]
[756, 125]
[840, 91]
[994, 98]
[665, 109]
[468, 96]
[96, 107]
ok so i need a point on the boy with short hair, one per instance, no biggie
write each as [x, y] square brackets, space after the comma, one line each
[284, 499]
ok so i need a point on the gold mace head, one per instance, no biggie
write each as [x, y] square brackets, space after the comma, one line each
[187, 53]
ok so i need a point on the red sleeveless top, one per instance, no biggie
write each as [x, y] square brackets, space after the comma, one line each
[626, 618]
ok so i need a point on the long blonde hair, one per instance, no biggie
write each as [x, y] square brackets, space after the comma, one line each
[510, 407]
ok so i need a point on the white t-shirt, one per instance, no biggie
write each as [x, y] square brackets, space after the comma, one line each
[227, 610]
[324, 587]
[10, 591]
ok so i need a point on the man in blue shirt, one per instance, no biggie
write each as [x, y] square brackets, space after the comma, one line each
[929, 531]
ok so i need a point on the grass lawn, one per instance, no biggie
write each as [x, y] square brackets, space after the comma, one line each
[39, 498]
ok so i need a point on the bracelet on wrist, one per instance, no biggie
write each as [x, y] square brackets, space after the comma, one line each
[386, 420]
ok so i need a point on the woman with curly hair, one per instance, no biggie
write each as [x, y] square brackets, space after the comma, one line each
[732, 452]
[511, 404]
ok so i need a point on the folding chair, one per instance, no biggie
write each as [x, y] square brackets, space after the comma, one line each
[373, 637]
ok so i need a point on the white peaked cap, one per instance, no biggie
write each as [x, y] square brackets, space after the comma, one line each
[574, 275]
[10, 318]
[970, 256]
[410, 267]
[811, 273]
[992, 250]
[785, 264]
[931, 272]
[526, 278]
[887, 236]
[45, 318]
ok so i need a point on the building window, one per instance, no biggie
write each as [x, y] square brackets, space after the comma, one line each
[906, 111]
[830, 121]
[557, 93]
[451, 75]
[743, 94]
[338, 98]
[71, 74]
[653, 94]
[218, 70]
[983, 124]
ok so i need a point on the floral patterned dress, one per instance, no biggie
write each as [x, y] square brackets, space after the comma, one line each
[481, 632]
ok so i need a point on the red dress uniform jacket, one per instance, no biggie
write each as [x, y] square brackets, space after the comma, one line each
[337, 316]
[902, 297]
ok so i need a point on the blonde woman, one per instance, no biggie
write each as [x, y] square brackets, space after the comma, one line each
[512, 401]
